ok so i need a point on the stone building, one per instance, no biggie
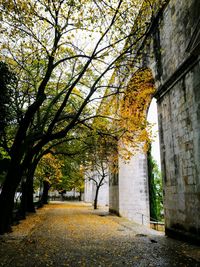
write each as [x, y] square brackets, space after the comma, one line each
[178, 96]
[171, 50]
[174, 42]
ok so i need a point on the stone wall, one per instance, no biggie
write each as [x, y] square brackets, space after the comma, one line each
[114, 199]
[133, 193]
[179, 116]
[90, 189]
[128, 193]
[180, 151]
[172, 51]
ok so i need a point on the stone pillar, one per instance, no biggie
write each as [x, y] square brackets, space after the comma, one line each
[133, 189]
[129, 194]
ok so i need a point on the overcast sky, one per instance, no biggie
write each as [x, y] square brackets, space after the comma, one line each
[153, 118]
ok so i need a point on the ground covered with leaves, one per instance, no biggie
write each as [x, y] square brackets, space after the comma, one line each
[73, 234]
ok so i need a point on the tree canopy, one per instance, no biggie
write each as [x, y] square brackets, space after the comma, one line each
[65, 55]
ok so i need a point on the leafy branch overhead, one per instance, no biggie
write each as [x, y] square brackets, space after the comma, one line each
[55, 58]
[65, 55]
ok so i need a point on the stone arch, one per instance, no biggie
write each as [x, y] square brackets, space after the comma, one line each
[173, 43]
[129, 197]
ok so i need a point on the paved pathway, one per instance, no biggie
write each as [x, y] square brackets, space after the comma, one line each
[72, 234]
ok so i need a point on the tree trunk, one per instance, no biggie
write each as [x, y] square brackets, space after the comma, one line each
[9, 188]
[96, 197]
[13, 178]
[7, 197]
[30, 207]
[80, 196]
[6, 208]
[26, 204]
[44, 198]
[23, 204]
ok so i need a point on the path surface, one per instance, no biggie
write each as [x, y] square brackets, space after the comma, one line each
[72, 234]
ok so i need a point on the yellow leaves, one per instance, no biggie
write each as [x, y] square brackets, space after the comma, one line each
[134, 105]
[49, 169]
[8, 5]
[64, 50]
[79, 24]
[19, 7]
[130, 113]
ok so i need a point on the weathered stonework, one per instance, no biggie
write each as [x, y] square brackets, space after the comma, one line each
[133, 193]
[178, 98]
[129, 194]
[172, 51]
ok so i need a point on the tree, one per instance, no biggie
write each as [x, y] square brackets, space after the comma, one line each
[98, 160]
[98, 174]
[72, 175]
[48, 174]
[68, 151]
[52, 64]
[7, 80]
[155, 189]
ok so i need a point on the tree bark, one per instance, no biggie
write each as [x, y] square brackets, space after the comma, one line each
[18, 152]
[7, 197]
[30, 207]
[27, 204]
[80, 196]
[96, 197]
[44, 198]
[9, 188]
[23, 204]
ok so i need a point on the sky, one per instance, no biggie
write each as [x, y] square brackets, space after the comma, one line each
[153, 118]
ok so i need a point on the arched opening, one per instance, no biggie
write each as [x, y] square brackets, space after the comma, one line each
[152, 117]
[134, 196]
[131, 193]
[154, 172]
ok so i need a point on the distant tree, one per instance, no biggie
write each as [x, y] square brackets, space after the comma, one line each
[48, 174]
[98, 160]
[72, 175]
[98, 174]
[155, 189]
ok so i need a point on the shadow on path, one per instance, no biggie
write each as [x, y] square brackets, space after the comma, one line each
[73, 234]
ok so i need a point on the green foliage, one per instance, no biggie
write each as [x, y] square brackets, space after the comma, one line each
[155, 190]
[49, 170]
[72, 175]
[63, 70]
